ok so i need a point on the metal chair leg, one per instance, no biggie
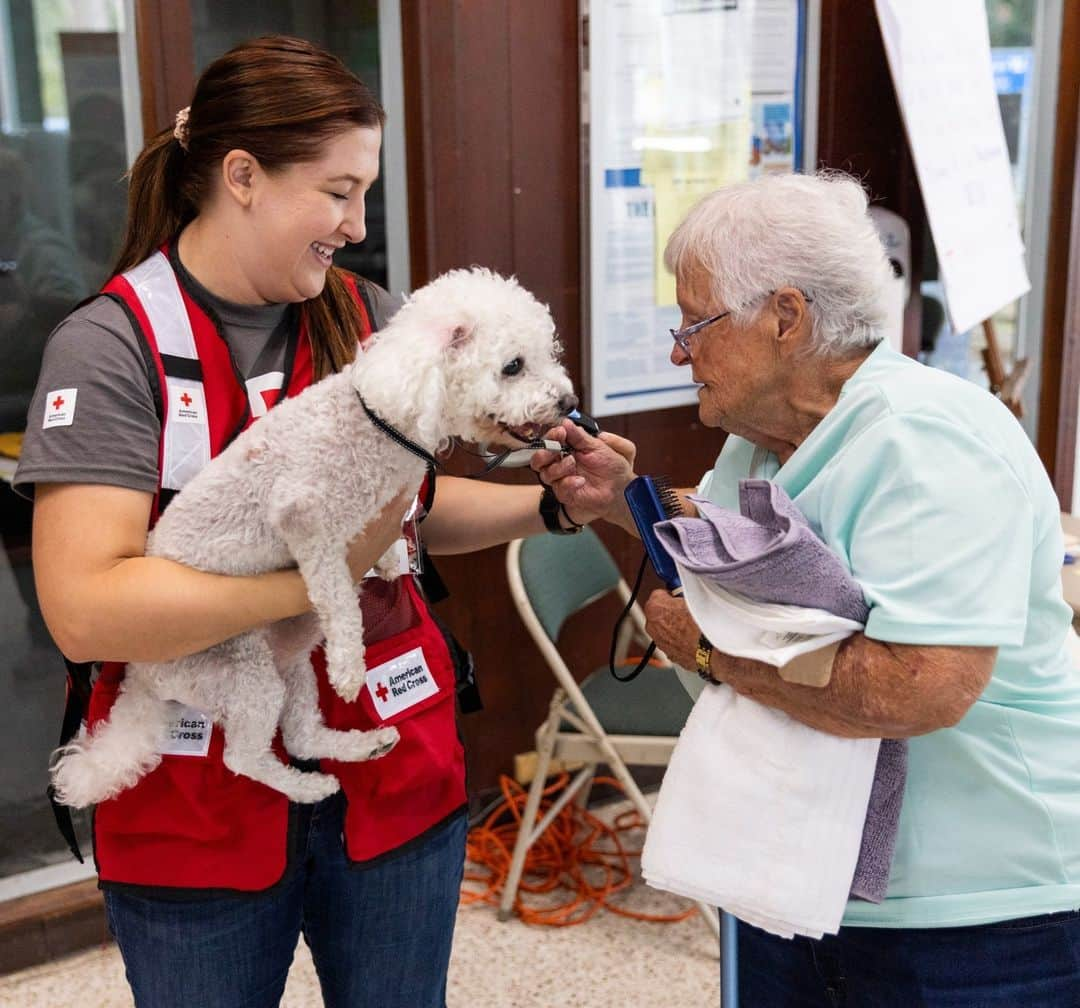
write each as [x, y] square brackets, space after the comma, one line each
[545, 748]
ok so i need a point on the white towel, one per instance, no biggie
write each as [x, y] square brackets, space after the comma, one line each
[771, 632]
[760, 815]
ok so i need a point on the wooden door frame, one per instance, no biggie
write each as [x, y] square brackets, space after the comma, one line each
[1059, 393]
[163, 36]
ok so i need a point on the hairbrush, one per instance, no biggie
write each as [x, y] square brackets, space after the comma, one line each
[652, 499]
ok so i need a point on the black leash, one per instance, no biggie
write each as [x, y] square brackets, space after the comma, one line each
[468, 692]
[396, 436]
[635, 672]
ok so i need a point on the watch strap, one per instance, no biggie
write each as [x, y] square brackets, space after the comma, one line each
[703, 660]
[550, 509]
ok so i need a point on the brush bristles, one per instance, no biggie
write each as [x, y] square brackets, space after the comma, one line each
[669, 499]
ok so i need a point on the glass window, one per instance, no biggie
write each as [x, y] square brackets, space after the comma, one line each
[351, 32]
[1014, 55]
[63, 154]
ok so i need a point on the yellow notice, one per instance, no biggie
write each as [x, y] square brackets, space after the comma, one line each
[680, 177]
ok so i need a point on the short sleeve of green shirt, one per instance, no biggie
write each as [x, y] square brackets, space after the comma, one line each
[936, 527]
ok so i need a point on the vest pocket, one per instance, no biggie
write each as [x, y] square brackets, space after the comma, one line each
[395, 799]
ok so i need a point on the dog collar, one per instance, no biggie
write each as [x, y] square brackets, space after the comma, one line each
[395, 435]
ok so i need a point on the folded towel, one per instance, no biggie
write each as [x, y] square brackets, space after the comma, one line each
[733, 567]
[771, 632]
[768, 552]
[760, 815]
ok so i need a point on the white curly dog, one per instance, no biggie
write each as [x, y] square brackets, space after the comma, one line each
[472, 355]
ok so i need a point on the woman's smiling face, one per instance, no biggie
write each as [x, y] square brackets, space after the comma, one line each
[302, 214]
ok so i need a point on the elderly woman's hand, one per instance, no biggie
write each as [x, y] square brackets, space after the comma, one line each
[669, 623]
[589, 482]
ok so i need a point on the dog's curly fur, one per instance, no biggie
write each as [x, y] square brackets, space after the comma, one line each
[471, 355]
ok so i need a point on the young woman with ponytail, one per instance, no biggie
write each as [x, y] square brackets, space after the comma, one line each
[225, 300]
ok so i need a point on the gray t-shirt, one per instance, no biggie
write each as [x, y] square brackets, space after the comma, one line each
[114, 430]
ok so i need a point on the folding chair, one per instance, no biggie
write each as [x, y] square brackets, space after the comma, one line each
[602, 720]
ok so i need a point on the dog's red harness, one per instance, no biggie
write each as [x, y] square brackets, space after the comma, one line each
[194, 824]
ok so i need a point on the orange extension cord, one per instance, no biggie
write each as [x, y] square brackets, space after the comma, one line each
[577, 853]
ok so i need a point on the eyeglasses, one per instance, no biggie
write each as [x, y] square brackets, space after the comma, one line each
[682, 336]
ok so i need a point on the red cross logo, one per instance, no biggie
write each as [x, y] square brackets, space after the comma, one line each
[58, 402]
[382, 693]
[186, 399]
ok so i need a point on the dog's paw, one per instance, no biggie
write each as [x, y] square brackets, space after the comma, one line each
[377, 743]
[308, 788]
[346, 673]
[390, 565]
[388, 569]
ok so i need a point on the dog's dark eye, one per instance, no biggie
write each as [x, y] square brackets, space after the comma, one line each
[514, 366]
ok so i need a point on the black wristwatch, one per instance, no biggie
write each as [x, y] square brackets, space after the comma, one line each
[550, 509]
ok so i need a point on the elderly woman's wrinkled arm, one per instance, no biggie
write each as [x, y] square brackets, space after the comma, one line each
[877, 689]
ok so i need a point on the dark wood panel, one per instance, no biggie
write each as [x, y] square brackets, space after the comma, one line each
[1059, 381]
[166, 60]
[860, 129]
[418, 57]
[1068, 401]
[457, 59]
[484, 142]
[491, 98]
[544, 182]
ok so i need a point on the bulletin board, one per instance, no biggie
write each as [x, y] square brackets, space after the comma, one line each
[680, 97]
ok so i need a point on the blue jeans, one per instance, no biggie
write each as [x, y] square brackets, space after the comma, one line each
[380, 935]
[1033, 962]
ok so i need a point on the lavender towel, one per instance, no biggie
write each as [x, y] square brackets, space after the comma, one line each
[768, 552]
[871, 879]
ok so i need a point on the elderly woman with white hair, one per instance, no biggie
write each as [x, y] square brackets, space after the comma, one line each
[930, 492]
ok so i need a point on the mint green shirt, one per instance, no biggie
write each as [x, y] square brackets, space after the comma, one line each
[929, 490]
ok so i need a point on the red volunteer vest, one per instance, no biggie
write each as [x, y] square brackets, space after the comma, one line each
[192, 823]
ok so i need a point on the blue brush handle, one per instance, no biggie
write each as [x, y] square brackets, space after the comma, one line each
[647, 509]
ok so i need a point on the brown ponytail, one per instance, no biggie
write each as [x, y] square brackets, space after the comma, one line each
[156, 207]
[280, 99]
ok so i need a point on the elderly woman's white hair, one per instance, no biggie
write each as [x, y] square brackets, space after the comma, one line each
[805, 231]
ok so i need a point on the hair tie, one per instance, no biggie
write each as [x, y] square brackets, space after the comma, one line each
[180, 130]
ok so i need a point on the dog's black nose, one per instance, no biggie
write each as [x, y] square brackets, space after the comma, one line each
[567, 403]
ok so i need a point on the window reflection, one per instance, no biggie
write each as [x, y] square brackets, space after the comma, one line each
[62, 160]
[62, 203]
